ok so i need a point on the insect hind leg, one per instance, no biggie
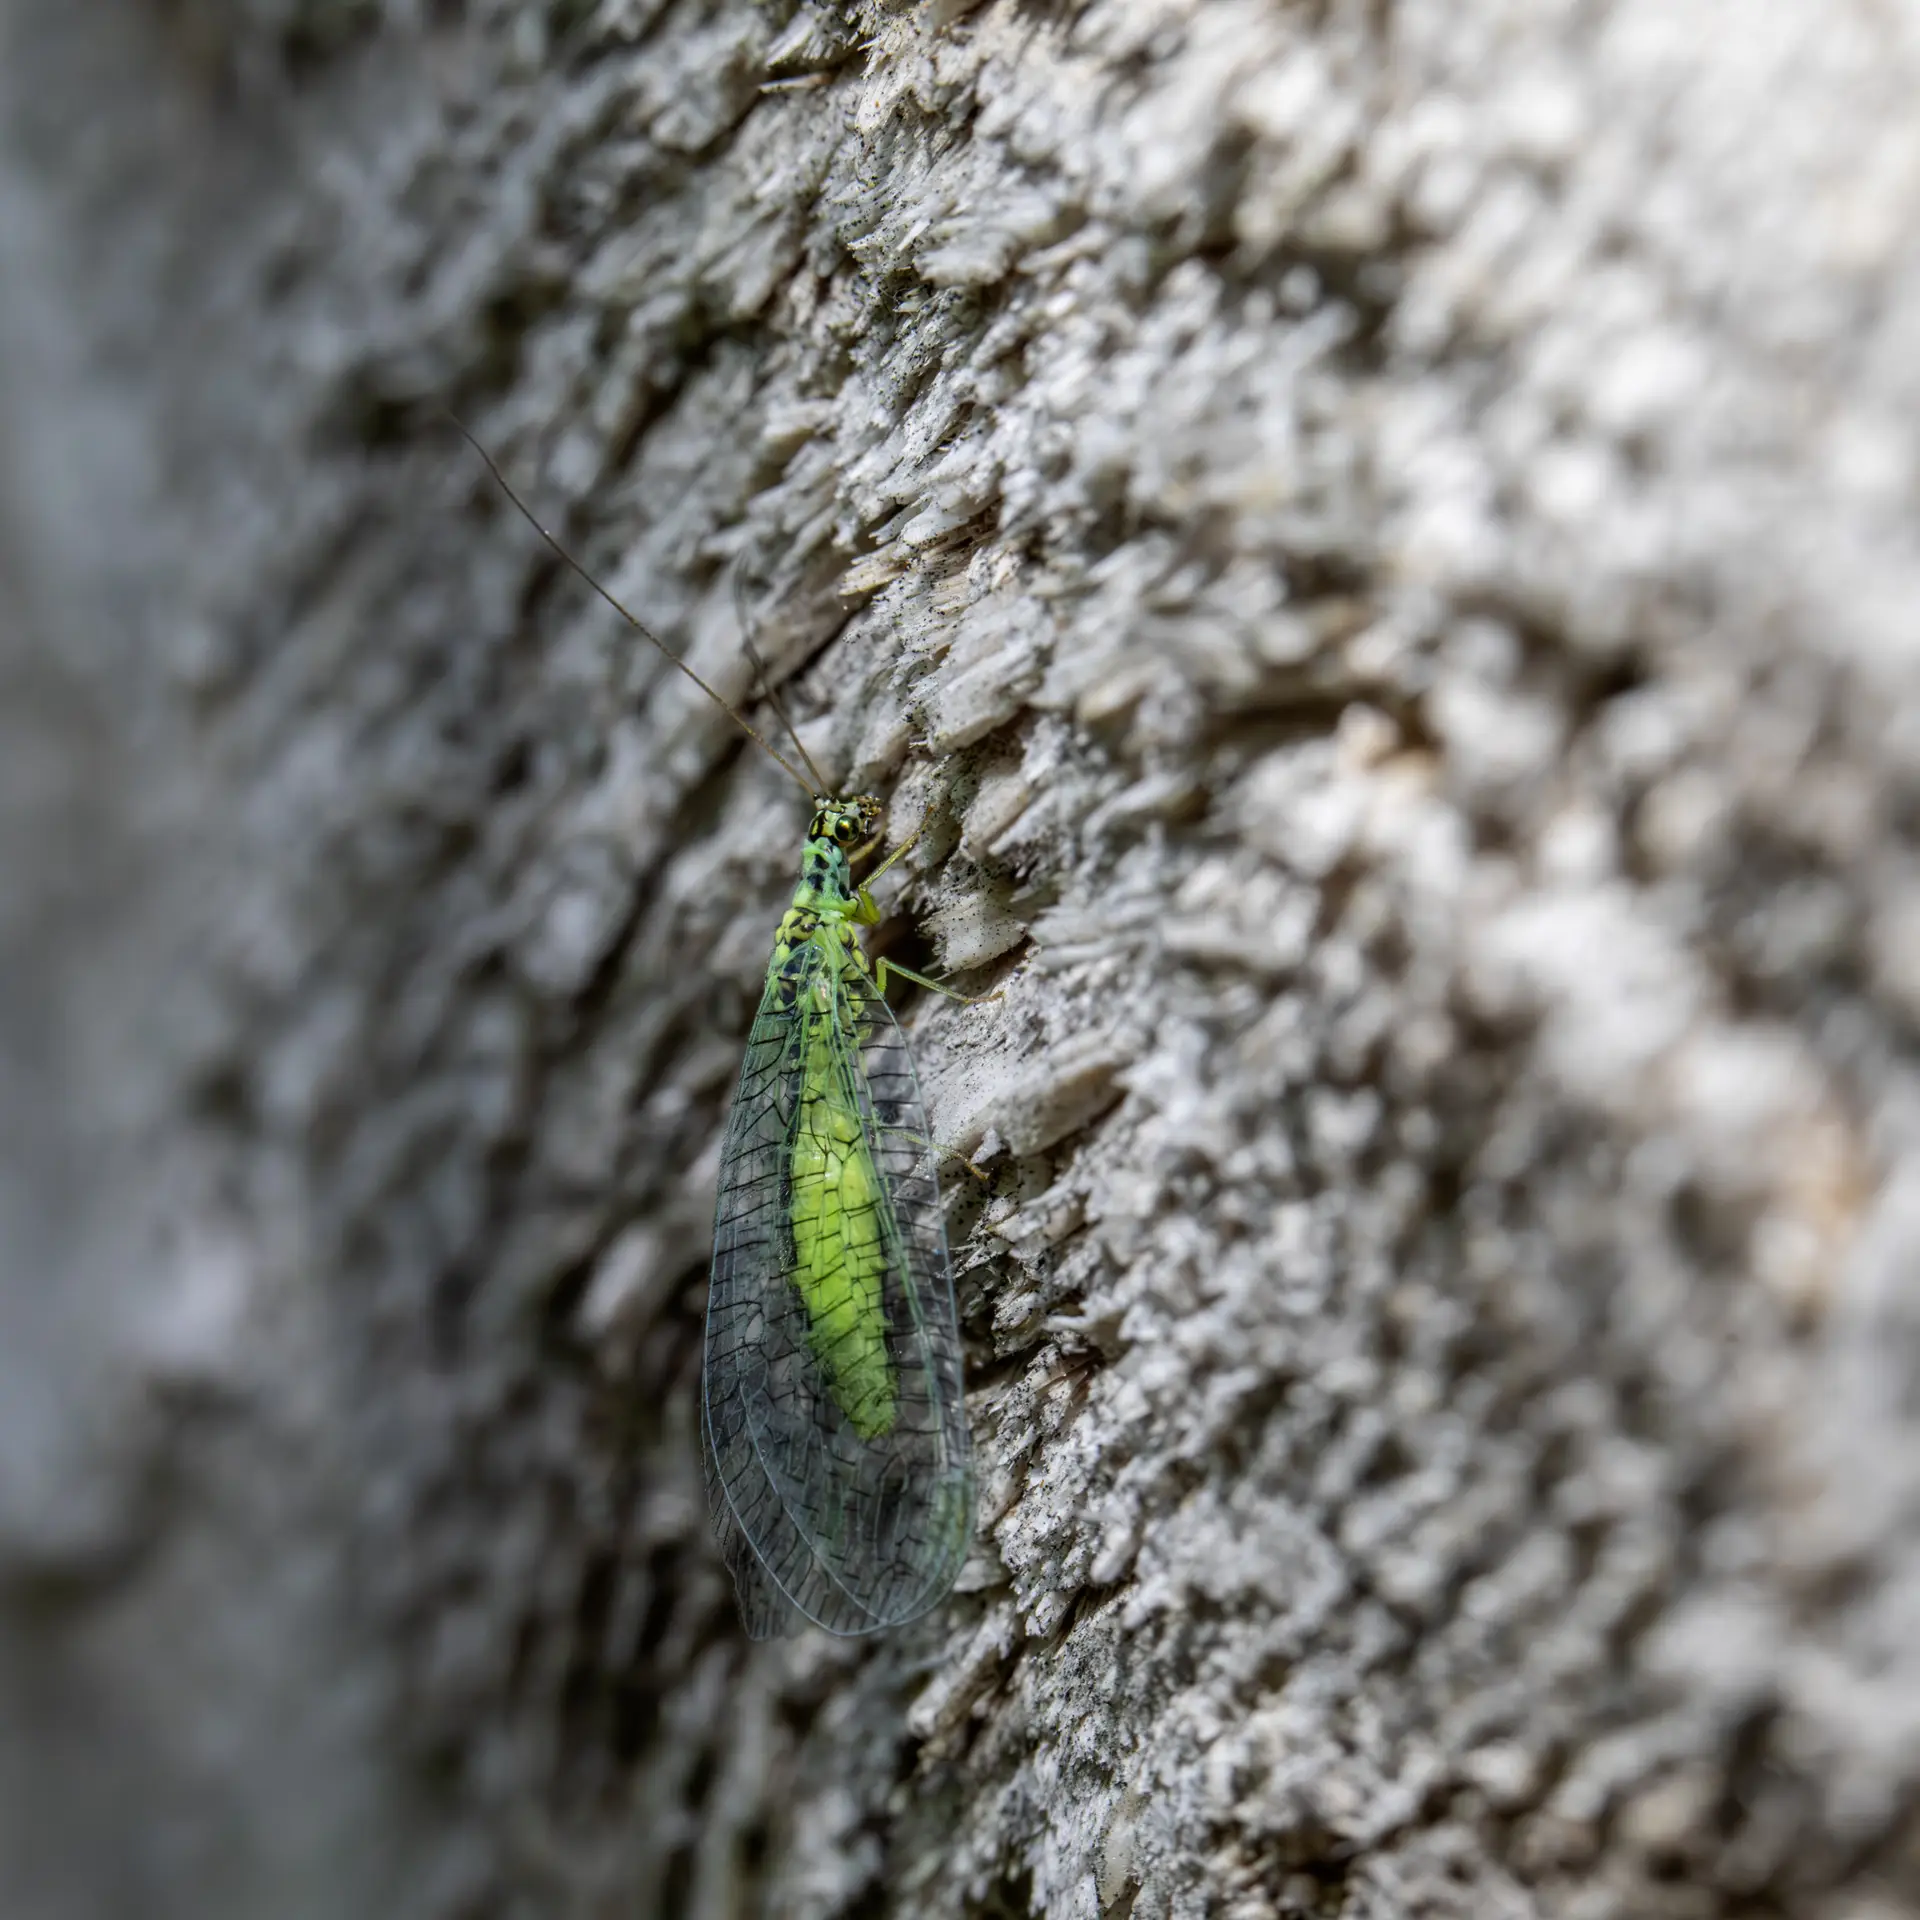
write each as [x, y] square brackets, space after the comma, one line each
[945, 1152]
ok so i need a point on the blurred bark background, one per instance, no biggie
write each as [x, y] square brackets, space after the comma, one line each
[1380, 535]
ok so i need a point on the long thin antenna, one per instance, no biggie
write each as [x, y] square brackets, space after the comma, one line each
[766, 679]
[640, 626]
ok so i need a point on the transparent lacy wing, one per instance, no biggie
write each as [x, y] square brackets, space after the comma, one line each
[852, 1534]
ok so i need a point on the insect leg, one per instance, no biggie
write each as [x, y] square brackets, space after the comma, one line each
[883, 968]
[905, 847]
[946, 1152]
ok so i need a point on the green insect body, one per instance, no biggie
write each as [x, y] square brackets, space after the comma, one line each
[832, 1413]
[838, 1209]
[840, 1247]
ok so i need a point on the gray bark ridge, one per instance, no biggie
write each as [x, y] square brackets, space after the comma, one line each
[1380, 544]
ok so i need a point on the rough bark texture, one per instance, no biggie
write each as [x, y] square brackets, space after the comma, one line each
[1380, 538]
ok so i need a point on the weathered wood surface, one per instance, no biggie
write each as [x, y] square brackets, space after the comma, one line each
[1382, 539]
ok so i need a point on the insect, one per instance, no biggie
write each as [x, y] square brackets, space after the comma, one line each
[833, 1418]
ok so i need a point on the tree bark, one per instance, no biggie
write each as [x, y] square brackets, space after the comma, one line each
[1380, 543]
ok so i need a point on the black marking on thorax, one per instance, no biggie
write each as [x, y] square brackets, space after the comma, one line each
[826, 881]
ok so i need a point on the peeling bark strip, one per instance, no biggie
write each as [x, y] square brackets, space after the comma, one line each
[1383, 540]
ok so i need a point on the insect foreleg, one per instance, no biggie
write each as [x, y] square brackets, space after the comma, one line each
[899, 853]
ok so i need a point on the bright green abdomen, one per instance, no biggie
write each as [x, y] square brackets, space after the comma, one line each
[838, 1215]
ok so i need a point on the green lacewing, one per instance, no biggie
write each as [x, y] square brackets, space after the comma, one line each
[833, 1414]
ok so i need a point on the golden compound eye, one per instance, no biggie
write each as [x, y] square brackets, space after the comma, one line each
[843, 830]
